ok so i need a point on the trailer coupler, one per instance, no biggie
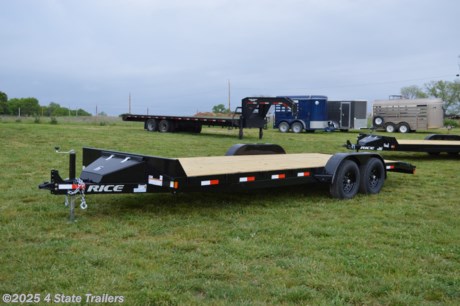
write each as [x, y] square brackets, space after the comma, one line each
[351, 146]
[70, 188]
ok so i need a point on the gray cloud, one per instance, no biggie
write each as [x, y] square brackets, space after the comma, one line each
[175, 57]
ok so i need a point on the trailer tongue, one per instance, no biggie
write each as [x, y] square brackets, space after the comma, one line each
[244, 167]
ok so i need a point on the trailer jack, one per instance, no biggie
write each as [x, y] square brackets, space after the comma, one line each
[72, 187]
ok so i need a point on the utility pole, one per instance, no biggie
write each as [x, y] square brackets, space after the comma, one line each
[458, 65]
[229, 96]
[129, 109]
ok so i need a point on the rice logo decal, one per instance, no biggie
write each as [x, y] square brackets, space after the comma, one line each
[105, 188]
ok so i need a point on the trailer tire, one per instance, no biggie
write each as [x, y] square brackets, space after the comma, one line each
[151, 125]
[390, 127]
[197, 129]
[297, 127]
[404, 127]
[346, 182]
[378, 121]
[372, 176]
[283, 127]
[164, 126]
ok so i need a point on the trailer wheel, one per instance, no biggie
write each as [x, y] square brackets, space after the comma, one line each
[297, 127]
[346, 183]
[372, 176]
[151, 125]
[164, 126]
[197, 128]
[283, 127]
[378, 121]
[390, 127]
[404, 128]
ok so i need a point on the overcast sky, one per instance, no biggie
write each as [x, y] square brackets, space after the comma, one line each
[176, 57]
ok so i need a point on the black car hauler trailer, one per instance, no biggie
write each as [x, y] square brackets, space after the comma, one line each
[432, 144]
[244, 167]
[251, 114]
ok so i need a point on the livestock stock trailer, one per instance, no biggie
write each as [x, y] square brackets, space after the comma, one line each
[244, 167]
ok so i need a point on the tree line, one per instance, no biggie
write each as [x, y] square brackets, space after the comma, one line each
[31, 107]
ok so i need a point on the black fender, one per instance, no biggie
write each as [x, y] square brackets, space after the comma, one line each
[334, 163]
[255, 149]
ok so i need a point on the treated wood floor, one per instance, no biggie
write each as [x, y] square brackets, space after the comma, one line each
[215, 165]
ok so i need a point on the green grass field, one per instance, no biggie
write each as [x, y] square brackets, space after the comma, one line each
[279, 246]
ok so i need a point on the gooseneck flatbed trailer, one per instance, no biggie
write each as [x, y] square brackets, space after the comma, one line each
[432, 144]
[251, 114]
[244, 167]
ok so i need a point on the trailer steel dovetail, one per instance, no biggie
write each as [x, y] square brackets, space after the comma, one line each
[251, 114]
[434, 144]
[244, 167]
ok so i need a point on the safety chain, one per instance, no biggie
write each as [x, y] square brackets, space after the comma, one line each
[81, 186]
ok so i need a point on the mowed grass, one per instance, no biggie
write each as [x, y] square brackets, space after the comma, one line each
[280, 246]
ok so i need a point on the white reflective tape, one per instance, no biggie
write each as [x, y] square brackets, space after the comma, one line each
[209, 183]
[65, 186]
[140, 188]
[156, 181]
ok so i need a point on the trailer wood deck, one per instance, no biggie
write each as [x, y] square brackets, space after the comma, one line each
[429, 142]
[216, 165]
